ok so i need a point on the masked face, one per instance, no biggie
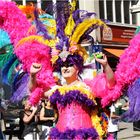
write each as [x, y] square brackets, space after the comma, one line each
[69, 70]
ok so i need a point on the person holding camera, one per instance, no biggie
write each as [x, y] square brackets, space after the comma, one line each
[29, 120]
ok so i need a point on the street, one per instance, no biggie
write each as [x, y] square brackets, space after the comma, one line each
[126, 132]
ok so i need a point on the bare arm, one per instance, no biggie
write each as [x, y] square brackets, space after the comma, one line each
[42, 115]
[27, 118]
[114, 116]
[55, 115]
[32, 82]
[107, 70]
[109, 75]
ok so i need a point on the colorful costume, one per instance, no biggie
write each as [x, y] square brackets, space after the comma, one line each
[79, 113]
[78, 110]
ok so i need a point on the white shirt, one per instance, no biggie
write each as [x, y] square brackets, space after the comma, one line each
[112, 127]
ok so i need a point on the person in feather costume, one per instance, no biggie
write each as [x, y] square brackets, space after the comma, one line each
[75, 101]
[38, 50]
[69, 32]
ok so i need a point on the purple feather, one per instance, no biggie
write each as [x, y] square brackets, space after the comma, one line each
[69, 97]
[80, 15]
[61, 20]
[21, 89]
[90, 29]
[72, 134]
[133, 114]
[40, 27]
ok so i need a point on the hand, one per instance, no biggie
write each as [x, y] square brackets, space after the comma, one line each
[43, 104]
[52, 118]
[34, 108]
[103, 61]
[35, 68]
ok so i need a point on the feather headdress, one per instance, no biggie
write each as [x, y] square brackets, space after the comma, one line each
[46, 40]
[71, 26]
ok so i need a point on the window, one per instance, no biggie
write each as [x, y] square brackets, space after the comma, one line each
[109, 10]
[126, 11]
[47, 6]
[117, 11]
[134, 2]
[20, 2]
[101, 5]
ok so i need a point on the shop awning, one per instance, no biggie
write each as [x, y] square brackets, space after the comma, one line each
[116, 52]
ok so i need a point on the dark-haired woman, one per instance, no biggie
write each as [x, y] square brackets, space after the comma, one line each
[47, 118]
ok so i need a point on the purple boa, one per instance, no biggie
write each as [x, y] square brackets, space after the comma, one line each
[133, 114]
[21, 88]
[71, 134]
[70, 96]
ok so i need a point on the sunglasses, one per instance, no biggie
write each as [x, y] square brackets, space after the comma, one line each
[66, 64]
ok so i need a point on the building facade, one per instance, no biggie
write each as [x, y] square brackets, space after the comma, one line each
[117, 12]
[122, 23]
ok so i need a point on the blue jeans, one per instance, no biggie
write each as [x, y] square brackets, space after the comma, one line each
[1, 135]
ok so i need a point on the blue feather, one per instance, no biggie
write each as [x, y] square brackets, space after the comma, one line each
[8, 52]
[6, 68]
[4, 38]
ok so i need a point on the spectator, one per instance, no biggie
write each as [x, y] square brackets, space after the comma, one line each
[29, 120]
[113, 126]
[47, 117]
[125, 107]
[2, 125]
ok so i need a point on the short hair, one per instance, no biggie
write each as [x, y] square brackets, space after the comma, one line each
[25, 99]
[75, 59]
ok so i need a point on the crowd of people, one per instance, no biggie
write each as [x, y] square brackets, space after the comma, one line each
[36, 122]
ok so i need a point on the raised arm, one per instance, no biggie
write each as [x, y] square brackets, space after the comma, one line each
[35, 68]
[27, 118]
[107, 70]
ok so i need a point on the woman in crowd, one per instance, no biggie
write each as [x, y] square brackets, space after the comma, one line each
[113, 124]
[47, 118]
[28, 121]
